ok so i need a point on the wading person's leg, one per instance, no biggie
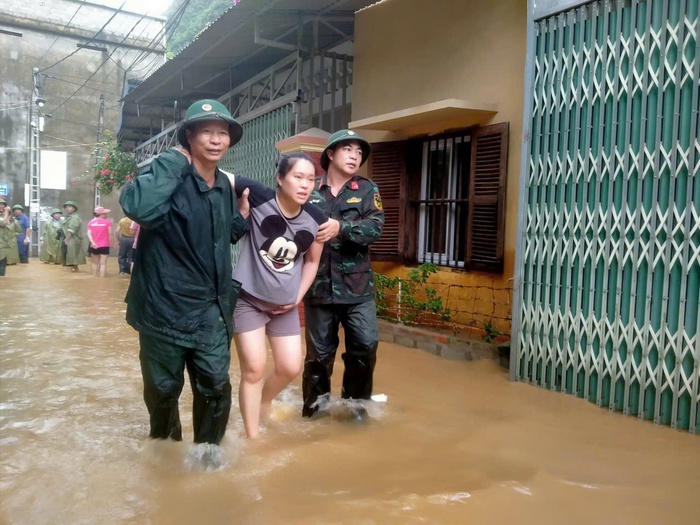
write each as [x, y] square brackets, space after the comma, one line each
[252, 355]
[286, 353]
[208, 370]
[103, 265]
[163, 368]
[321, 329]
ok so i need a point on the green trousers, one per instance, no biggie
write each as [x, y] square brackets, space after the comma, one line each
[163, 365]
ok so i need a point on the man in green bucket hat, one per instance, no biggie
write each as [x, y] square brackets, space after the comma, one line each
[343, 291]
[50, 251]
[26, 236]
[73, 253]
[9, 230]
[181, 296]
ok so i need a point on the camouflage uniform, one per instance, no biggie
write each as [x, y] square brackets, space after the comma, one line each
[343, 293]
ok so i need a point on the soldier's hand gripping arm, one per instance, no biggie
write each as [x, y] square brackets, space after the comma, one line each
[368, 228]
[147, 199]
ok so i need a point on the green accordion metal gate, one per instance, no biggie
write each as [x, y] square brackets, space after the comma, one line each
[255, 156]
[609, 235]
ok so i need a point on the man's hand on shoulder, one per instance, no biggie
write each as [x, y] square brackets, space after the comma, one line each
[185, 153]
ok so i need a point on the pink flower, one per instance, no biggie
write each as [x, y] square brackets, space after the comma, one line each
[105, 172]
[128, 177]
[106, 157]
[111, 181]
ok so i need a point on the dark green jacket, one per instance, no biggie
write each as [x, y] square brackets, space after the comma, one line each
[181, 282]
[344, 274]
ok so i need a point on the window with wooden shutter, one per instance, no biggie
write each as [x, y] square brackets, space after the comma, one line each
[387, 168]
[487, 192]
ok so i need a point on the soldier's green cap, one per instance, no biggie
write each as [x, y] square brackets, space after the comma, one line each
[205, 111]
[4, 201]
[345, 135]
[55, 210]
[18, 207]
[70, 203]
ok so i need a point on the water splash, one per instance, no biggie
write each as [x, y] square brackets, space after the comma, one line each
[205, 457]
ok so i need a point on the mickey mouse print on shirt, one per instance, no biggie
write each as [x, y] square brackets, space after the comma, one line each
[270, 261]
[278, 252]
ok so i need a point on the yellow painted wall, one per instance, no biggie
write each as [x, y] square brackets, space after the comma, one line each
[414, 52]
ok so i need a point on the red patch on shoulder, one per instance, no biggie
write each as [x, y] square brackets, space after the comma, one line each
[354, 185]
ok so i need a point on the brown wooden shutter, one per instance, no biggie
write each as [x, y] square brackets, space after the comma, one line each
[387, 168]
[487, 198]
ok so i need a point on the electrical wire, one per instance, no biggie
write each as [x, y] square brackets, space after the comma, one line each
[91, 39]
[62, 31]
[100, 66]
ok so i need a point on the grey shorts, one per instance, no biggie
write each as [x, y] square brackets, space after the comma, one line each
[251, 313]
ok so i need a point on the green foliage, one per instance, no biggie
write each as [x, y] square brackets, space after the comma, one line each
[114, 168]
[490, 332]
[197, 16]
[417, 297]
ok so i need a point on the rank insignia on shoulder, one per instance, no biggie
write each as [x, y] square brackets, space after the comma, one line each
[377, 201]
[354, 185]
[354, 200]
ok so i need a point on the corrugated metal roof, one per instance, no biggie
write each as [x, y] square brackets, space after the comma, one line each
[225, 55]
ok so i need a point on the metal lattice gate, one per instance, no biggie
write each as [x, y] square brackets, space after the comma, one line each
[609, 306]
[255, 156]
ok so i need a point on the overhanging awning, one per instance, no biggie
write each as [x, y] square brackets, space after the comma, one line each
[250, 37]
[466, 113]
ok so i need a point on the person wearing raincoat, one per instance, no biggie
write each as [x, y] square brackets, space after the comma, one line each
[26, 236]
[10, 229]
[50, 243]
[181, 295]
[73, 240]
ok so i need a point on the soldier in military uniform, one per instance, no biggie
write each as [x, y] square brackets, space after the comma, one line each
[343, 291]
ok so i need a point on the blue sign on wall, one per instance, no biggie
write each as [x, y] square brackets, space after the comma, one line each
[4, 189]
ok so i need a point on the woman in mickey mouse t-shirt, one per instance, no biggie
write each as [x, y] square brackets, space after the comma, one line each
[278, 262]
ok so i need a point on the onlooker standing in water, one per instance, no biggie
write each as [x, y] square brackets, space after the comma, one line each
[50, 243]
[26, 236]
[125, 236]
[343, 292]
[9, 230]
[73, 240]
[181, 295]
[100, 235]
[277, 263]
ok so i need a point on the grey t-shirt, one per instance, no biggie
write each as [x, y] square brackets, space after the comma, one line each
[272, 252]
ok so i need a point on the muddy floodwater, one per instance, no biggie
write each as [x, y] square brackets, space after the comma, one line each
[455, 442]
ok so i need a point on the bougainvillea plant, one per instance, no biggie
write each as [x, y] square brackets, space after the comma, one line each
[114, 167]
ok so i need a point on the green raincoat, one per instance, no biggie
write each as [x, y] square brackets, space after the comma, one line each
[50, 245]
[8, 241]
[74, 248]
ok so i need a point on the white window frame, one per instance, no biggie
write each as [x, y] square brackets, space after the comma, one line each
[446, 258]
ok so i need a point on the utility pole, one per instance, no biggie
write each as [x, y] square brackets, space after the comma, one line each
[33, 188]
[100, 138]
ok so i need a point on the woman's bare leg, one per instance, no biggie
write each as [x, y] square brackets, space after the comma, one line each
[252, 355]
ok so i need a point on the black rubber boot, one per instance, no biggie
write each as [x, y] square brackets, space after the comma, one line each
[316, 382]
[359, 371]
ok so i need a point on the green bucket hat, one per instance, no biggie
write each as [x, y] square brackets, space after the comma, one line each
[208, 110]
[70, 203]
[54, 211]
[342, 136]
[18, 207]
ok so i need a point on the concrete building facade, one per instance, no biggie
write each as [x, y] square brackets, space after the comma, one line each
[66, 66]
[429, 77]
